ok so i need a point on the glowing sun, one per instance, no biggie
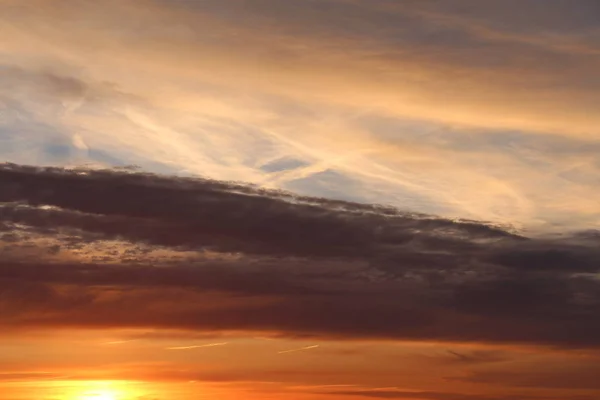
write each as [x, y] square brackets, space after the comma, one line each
[104, 394]
[102, 390]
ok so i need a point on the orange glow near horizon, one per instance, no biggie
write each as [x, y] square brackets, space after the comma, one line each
[81, 390]
[102, 390]
[141, 367]
[85, 390]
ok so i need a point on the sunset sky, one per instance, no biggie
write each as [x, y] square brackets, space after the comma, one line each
[299, 199]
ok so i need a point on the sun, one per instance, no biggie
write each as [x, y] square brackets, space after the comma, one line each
[102, 394]
[101, 390]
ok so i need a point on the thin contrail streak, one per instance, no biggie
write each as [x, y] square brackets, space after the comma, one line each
[197, 347]
[300, 349]
[117, 342]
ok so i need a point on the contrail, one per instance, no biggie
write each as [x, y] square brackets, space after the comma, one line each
[300, 349]
[117, 342]
[197, 347]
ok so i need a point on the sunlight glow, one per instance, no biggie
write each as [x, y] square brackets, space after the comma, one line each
[102, 390]
[101, 395]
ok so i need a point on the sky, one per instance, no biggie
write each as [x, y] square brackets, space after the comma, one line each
[299, 199]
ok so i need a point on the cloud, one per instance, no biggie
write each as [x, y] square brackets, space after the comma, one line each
[451, 108]
[57, 85]
[203, 214]
[576, 374]
[423, 56]
[132, 249]
[476, 357]
[398, 394]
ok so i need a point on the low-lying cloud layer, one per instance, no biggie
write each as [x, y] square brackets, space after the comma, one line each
[398, 394]
[116, 248]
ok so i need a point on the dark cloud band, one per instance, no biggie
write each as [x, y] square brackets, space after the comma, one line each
[272, 261]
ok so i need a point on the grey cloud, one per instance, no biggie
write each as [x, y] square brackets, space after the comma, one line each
[223, 216]
[446, 31]
[583, 375]
[15, 79]
[298, 266]
[430, 395]
[525, 15]
[476, 357]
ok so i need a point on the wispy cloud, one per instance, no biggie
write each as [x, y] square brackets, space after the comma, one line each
[437, 107]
